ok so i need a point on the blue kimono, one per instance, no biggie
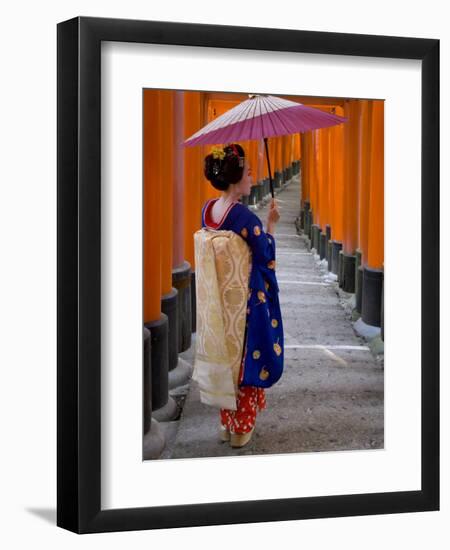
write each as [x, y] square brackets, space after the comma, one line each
[264, 351]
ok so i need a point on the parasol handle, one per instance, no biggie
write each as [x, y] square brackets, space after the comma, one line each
[268, 166]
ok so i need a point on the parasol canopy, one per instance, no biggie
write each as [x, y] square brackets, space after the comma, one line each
[260, 117]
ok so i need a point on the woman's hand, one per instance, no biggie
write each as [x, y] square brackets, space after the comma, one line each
[273, 216]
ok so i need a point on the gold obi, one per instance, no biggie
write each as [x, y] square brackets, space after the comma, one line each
[222, 270]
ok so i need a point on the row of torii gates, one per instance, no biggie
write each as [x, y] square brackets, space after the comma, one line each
[341, 211]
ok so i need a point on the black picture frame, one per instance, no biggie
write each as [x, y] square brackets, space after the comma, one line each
[79, 281]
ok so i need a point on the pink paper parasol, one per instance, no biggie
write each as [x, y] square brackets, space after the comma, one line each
[261, 117]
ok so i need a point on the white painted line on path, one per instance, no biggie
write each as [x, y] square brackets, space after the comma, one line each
[303, 283]
[325, 347]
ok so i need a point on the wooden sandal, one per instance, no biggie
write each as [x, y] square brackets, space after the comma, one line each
[239, 440]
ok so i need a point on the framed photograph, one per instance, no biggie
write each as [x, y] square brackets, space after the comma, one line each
[248, 274]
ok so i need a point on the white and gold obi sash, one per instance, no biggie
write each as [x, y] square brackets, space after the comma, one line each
[222, 271]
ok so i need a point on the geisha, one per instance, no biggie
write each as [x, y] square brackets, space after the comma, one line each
[261, 363]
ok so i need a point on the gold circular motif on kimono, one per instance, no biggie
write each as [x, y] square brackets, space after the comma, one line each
[233, 296]
[271, 264]
[274, 323]
[257, 230]
[256, 354]
[244, 232]
[277, 348]
[264, 374]
[261, 296]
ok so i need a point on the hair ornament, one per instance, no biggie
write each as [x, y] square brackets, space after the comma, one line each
[218, 153]
[236, 153]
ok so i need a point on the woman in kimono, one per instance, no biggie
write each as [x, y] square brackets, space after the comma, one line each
[228, 170]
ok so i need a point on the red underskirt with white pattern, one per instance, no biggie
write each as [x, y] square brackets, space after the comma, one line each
[250, 400]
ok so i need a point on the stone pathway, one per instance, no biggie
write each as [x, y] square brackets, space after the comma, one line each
[330, 396]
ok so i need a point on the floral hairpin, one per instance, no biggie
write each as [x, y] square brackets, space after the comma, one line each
[218, 152]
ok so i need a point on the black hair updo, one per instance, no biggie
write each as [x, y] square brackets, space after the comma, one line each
[222, 172]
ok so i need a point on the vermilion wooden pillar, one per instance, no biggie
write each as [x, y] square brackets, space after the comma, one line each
[169, 297]
[317, 178]
[278, 159]
[152, 206]
[375, 256]
[373, 275]
[194, 195]
[156, 370]
[305, 149]
[194, 180]
[325, 141]
[364, 190]
[167, 151]
[337, 179]
[178, 171]
[258, 174]
[351, 175]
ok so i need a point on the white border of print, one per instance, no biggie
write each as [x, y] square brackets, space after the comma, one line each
[127, 481]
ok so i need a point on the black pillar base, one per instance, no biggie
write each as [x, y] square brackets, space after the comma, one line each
[328, 231]
[335, 250]
[358, 281]
[181, 280]
[348, 283]
[169, 305]
[327, 240]
[147, 377]
[371, 297]
[359, 288]
[308, 223]
[315, 233]
[322, 245]
[276, 180]
[302, 217]
[159, 331]
[329, 254]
